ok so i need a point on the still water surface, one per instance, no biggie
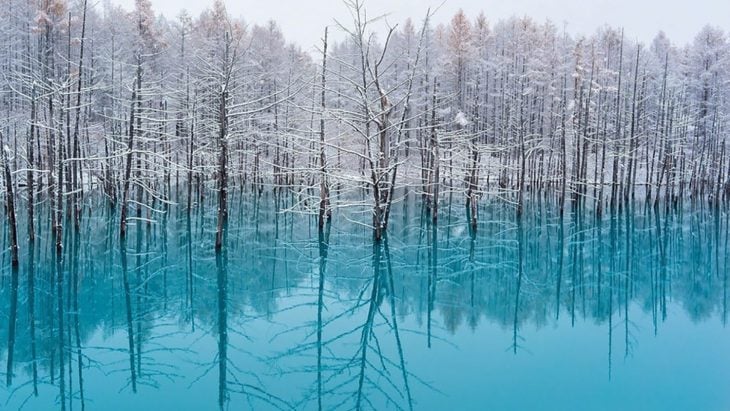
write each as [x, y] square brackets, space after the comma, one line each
[625, 312]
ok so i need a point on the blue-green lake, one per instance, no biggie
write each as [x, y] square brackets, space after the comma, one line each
[623, 312]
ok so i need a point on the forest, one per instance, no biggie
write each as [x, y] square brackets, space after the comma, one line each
[153, 112]
[198, 210]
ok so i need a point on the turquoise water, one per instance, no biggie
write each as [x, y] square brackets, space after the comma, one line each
[626, 312]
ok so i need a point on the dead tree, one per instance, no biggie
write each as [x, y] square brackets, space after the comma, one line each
[325, 211]
[10, 205]
[135, 107]
[223, 147]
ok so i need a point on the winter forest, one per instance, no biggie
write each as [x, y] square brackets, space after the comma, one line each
[158, 112]
[147, 136]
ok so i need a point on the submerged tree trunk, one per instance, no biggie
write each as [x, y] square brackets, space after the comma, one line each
[325, 212]
[617, 134]
[76, 154]
[631, 171]
[135, 106]
[10, 204]
[223, 154]
[30, 183]
[435, 159]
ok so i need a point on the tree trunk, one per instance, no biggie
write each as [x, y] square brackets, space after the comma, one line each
[325, 213]
[10, 205]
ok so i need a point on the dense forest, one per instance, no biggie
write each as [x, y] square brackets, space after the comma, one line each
[154, 112]
[189, 193]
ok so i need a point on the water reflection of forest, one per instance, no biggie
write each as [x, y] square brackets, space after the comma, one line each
[443, 278]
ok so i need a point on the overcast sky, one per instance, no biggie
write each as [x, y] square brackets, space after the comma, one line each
[303, 21]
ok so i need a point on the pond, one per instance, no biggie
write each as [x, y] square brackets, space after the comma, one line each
[627, 311]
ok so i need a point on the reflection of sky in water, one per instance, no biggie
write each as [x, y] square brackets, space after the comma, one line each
[496, 339]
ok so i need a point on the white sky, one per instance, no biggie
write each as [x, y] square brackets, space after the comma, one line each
[303, 21]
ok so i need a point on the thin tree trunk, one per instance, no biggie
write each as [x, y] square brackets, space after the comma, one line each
[76, 151]
[135, 105]
[223, 155]
[10, 205]
[324, 189]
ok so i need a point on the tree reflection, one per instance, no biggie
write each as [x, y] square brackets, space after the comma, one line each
[324, 238]
[128, 311]
[339, 315]
[221, 264]
[394, 322]
[12, 323]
